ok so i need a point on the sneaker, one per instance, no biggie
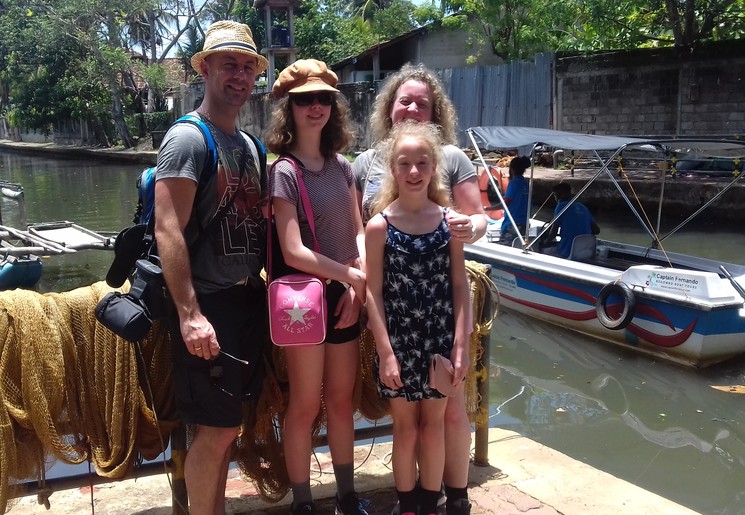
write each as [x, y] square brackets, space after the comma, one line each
[350, 504]
[305, 508]
[459, 507]
[441, 500]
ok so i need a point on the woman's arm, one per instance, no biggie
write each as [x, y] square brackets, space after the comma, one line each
[359, 228]
[468, 223]
[375, 235]
[297, 255]
[461, 305]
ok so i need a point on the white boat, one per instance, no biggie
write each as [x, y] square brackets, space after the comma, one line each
[20, 249]
[683, 308]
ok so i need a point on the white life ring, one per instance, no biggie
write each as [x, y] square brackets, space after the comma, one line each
[629, 305]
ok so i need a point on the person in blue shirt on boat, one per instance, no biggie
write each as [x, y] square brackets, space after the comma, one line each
[516, 200]
[573, 222]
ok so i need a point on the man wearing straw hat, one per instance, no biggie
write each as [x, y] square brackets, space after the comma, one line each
[212, 267]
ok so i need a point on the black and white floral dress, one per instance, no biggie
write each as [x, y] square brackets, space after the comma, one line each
[418, 302]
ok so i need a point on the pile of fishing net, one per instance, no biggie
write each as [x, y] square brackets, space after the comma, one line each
[72, 391]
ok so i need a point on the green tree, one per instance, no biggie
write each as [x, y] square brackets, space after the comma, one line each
[322, 31]
[520, 28]
[44, 73]
[332, 30]
[395, 19]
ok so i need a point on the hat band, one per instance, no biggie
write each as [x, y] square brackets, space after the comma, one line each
[238, 44]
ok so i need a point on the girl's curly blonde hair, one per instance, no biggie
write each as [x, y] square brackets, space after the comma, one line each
[443, 112]
[426, 133]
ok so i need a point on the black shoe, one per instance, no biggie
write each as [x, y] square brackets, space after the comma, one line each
[350, 504]
[458, 507]
[305, 508]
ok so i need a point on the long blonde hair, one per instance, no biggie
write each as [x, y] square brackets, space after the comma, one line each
[426, 133]
[443, 112]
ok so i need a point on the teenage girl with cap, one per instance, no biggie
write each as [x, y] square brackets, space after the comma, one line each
[310, 125]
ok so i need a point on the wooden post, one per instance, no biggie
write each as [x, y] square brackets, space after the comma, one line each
[180, 497]
[481, 453]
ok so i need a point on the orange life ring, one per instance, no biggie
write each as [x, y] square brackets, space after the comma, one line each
[493, 211]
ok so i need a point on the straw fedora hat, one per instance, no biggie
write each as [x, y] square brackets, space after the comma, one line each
[229, 36]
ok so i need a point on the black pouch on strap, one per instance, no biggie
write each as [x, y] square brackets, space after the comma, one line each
[124, 316]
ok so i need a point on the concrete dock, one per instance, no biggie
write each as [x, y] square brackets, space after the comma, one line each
[523, 477]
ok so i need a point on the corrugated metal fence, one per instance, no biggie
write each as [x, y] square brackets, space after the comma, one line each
[517, 93]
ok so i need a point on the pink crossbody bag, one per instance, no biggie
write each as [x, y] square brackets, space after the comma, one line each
[297, 302]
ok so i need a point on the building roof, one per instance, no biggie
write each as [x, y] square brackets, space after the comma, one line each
[364, 59]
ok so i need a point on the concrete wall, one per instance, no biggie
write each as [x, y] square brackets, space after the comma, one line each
[445, 48]
[653, 92]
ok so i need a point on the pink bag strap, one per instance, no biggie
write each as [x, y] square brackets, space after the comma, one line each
[305, 205]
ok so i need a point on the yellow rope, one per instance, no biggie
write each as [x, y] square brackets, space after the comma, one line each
[70, 391]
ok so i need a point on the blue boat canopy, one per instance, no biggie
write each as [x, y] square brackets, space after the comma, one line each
[503, 138]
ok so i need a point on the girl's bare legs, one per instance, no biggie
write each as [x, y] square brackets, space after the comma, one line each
[305, 375]
[405, 416]
[338, 392]
[457, 452]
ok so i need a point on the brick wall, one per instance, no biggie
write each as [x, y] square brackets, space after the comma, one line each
[653, 92]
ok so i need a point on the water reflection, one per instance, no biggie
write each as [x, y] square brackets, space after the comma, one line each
[97, 195]
[656, 425]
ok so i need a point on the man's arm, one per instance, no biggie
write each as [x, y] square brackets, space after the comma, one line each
[594, 227]
[174, 198]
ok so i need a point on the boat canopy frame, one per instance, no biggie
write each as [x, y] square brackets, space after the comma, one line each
[506, 138]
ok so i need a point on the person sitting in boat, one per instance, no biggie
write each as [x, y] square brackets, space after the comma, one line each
[516, 200]
[573, 222]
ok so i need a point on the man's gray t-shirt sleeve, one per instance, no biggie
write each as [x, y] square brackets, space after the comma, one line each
[183, 153]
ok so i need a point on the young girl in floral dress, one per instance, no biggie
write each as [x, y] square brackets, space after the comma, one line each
[417, 301]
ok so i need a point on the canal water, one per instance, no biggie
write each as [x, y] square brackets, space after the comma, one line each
[656, 425]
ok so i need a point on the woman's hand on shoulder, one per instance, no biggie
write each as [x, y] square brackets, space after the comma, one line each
[461, 226]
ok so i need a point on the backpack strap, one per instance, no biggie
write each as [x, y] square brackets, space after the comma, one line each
[259, 151]
[209, 139]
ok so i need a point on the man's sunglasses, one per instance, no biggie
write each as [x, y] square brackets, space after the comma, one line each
[306, 99]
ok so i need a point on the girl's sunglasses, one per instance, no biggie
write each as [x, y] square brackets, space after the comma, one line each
[306, 99]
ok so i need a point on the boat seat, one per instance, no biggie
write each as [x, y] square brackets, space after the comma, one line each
[583, 247]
